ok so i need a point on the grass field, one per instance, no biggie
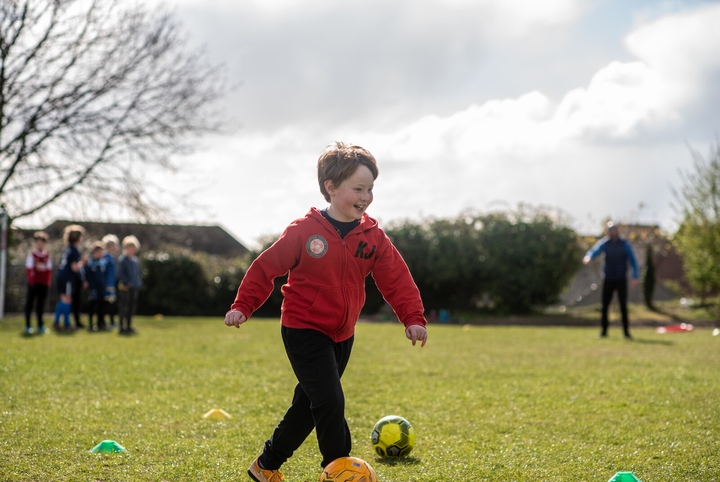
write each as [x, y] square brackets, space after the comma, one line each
[487, 403]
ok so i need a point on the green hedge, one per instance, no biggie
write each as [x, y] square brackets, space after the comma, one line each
[180, 282]
[510, 262]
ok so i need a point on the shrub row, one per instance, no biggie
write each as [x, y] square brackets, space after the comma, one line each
[510, 262]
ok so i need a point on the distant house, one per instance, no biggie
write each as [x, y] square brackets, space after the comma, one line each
[586, 286]
[208, 239]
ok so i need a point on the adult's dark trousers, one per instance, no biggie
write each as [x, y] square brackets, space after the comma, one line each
[36, 295]
[609, 287]
[318, 401]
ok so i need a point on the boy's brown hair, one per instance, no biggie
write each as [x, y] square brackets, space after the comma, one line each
[41, 235]
[339, 161]
[98, 245]
[72, 233]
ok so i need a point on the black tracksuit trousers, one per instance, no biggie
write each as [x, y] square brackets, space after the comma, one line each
[36, 295]
[318, 401]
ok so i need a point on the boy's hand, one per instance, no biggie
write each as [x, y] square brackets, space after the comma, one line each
[416, 333]
[235, 318]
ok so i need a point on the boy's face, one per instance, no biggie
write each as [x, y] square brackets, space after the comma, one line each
[351, 198]
[130, 249]
[111, 248]
[97, 253]
[40, 244]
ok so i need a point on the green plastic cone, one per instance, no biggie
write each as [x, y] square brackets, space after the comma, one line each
[108, 446]
[624, 477]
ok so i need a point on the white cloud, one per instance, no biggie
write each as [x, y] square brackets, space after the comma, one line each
[380, 60]
[620, 98]
[682, 48]
[675, 55]
[496, 127]
[509, 17]
[516, 18]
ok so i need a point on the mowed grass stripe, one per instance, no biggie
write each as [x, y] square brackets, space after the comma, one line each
[486, 403]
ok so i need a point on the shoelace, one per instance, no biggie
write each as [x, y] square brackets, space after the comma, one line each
[276, 477]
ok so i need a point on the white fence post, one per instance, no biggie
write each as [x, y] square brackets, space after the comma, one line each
[3, 260]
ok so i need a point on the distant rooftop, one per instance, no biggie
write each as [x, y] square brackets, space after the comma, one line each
[208, 239]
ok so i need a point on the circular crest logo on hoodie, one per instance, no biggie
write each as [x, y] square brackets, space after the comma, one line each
[316, 246]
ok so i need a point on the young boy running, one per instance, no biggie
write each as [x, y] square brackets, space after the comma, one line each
[328, 254]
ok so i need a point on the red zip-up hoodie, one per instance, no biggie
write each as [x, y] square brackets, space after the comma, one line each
[326, 286]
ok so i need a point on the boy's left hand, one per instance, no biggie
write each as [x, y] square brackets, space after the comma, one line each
[416, 333]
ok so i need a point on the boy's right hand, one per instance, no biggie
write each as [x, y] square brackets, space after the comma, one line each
[416, 333]
[235, 318]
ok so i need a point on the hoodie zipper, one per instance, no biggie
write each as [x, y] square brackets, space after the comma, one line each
[344, 288]
[343, 281]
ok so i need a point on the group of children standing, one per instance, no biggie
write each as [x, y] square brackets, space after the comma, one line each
[98, 274]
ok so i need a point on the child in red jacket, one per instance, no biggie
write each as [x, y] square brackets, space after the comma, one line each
[328, 254]
[38, 267]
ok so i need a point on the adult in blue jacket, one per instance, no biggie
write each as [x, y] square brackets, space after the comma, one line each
[618, 253]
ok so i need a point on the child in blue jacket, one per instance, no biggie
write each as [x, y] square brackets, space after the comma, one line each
[109, 302]
[70, 264]
[129, 283]
[94, 271]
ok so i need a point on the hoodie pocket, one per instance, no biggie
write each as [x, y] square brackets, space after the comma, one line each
[328, 307]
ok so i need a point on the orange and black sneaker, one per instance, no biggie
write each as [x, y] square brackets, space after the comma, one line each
[262, 475]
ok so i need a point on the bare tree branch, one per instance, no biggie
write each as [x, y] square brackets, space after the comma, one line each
[91, 93]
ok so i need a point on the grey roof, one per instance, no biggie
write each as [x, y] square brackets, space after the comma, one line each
[208, 239]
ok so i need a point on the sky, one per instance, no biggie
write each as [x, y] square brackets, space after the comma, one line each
[584, 106]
